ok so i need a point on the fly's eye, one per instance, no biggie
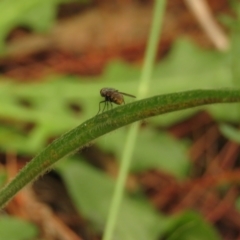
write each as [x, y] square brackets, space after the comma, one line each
[102, 92]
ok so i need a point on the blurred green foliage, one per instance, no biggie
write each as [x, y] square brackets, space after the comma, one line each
[32, 113]
[59, 103]
[91, 191]
[12, 228]
[190, 225]
[38, 15]
[230, 132]
[3, 176]
[154, 150]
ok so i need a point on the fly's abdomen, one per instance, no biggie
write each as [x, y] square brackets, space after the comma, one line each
[117, 98]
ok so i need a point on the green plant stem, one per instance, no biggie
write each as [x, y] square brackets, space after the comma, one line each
[93, 128]
[151, 50]
[144, 83]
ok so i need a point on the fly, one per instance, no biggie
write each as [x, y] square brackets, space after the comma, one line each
[112, 95]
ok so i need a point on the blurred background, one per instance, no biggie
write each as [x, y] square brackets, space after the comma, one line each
[56, 55]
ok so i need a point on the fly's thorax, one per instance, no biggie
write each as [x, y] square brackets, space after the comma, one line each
[106, 92]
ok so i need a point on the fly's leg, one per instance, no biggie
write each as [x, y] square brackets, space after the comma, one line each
[111, 105]
[106, 105]
[100, 106]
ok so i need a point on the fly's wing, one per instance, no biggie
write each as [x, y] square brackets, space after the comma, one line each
[126, 94]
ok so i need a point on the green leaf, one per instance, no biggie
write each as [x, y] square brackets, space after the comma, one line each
[191, 226]
[189, 67]
[230, 132]
[42, 17]
[37, 14]
[92, 190]
[152, 150]
[16, 229]
[3, 177]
